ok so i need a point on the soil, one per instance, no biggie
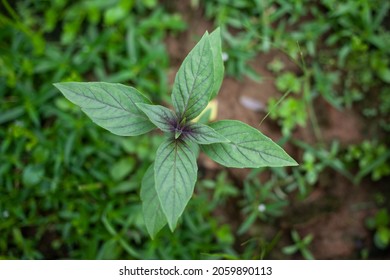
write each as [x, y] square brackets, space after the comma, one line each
[336, 209]
[334, 213]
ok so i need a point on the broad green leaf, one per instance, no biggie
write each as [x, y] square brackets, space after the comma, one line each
[194, 81]
[248, 147]
[162, 117]
[112, 106]
[203, 134]
[154, 216]
[216, 48]
[175, 173]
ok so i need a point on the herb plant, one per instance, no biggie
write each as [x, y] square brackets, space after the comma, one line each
[169, 182]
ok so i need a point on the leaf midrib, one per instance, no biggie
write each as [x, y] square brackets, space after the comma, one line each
[121, 108]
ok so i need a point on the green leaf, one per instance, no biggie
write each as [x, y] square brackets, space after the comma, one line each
[162, 117]
[307, 239]
[306, 254]
[112, 106]
[175, 173]
[203, 134]
[122, 168]
[216, 48]
[194, 81]
[33, 175]
[177, 133]
[288, 81]
[384, 74]
[248, 147]
[289, 250]
[154, 216]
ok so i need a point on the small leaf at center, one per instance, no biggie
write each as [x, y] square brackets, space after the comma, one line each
[177, 133]
[160, 116]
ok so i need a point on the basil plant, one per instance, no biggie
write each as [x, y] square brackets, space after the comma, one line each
[169, 182]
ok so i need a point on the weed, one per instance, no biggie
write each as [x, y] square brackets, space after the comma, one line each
[372, 158]
[380, 223]
[300, 245]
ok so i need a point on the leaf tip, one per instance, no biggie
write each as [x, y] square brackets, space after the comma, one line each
[60, 86]
[151, 234]
[293, 162]
[288, 161]
[172, 226]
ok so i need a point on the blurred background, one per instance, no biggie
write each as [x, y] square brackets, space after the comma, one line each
[70, 190]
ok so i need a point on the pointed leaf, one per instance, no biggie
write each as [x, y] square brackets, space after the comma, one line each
[289, 250]
[194, 81]
[161, 116]
[177, 133]
[203, 134]
[175, 172]
[154, 216]
[248, 148]
[216, 48]
[112, 106]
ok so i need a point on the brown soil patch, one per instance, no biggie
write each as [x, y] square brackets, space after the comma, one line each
[335, 215]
